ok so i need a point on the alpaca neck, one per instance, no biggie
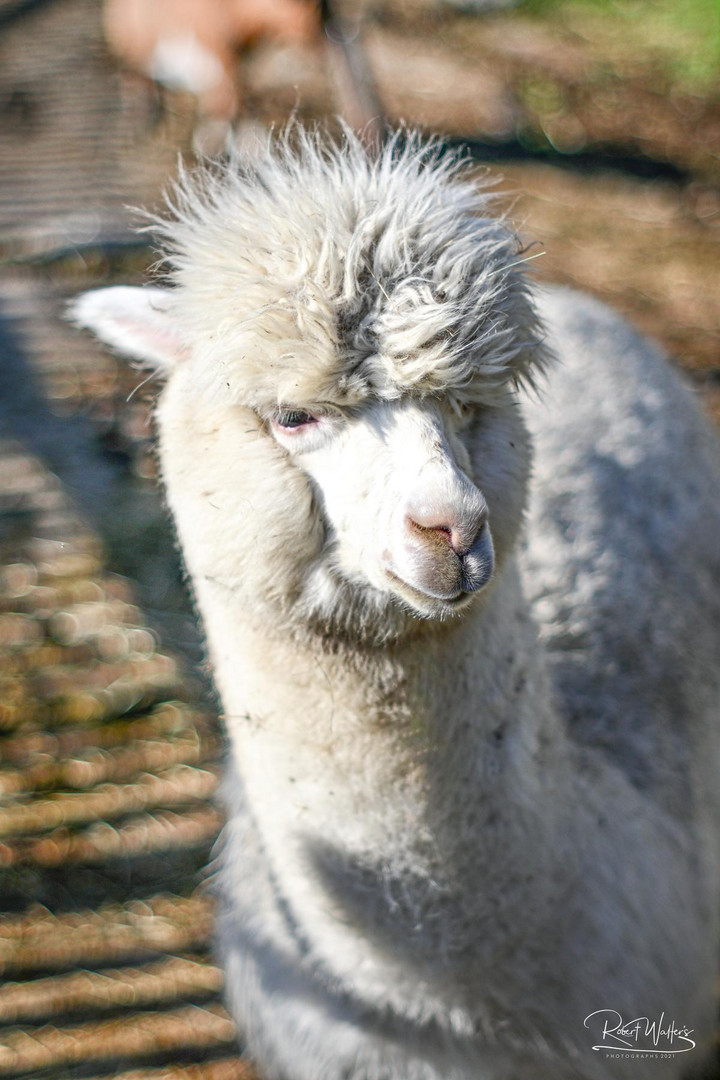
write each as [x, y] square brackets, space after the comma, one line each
[469, 700]
[432, 771]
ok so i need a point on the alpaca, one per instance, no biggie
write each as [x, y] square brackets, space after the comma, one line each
[458, 602]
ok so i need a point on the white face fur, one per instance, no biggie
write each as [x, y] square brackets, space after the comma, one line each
[401, 512]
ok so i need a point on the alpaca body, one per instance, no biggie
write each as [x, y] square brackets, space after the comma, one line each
[449, 856]
[472, 709]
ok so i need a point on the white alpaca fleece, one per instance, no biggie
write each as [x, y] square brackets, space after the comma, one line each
[341, 277]
[473, 707]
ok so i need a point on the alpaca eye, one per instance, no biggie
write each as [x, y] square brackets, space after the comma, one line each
[293, 418]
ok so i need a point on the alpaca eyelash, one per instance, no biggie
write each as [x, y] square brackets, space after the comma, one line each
[292, 419]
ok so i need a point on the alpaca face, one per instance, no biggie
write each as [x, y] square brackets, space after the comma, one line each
[352, 522]
[356, 330]
[402, 515]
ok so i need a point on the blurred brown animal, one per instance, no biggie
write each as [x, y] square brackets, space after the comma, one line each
[193, 44]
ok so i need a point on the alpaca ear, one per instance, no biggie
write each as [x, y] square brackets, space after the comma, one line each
[135, 321]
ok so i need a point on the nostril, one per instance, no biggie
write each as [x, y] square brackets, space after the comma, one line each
[443, 533]
[447, 535]
[461, 537]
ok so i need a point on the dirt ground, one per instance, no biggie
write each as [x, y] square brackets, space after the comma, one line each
[604, 152]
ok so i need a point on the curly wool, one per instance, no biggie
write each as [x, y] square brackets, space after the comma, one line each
[341, 276]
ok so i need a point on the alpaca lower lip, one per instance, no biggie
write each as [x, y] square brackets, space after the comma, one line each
[422, 595]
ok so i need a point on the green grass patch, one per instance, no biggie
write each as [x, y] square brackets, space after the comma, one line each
[680, 39]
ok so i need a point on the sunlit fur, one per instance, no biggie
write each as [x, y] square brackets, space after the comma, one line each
[461, 818]
[356, 277]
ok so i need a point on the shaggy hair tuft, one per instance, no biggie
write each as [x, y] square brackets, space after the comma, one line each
[319, 273]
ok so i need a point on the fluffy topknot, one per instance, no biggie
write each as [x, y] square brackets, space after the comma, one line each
[318, 272]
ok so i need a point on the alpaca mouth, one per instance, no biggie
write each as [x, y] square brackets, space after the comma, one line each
[429, 603]
[447, 585]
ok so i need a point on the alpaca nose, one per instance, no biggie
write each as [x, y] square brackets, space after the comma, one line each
[454, 526]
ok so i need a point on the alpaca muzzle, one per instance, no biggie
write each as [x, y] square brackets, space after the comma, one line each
[446, 549]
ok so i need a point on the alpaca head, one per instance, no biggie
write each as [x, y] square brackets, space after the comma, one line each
[344, 338]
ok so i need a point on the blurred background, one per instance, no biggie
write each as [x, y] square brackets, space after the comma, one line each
[599, 123]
